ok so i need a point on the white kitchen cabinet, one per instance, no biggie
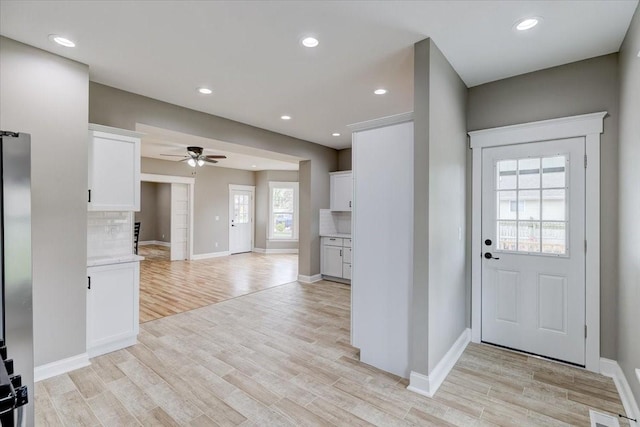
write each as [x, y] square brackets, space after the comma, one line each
[114, 169]
[341, 191]
[112, 307]
[336, 257]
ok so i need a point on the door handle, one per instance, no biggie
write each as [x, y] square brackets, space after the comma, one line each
[489, 255]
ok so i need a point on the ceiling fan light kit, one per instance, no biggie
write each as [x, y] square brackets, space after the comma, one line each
[195, 157]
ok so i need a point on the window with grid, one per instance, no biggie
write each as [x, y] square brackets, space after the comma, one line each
[531, 211]
[283, 211]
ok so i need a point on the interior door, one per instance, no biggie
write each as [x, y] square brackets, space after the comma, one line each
[533, 231]
[179, 221]
[241, 221]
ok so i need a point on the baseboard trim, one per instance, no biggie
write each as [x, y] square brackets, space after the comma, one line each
[427, 385]
[196, 257]
[611, 368]
[275, 251]
[113, 345]
[59, 367]
[154, 242]
[309, 279]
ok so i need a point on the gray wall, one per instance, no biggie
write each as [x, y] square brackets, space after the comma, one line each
[163, 212]
[577, 88]
[344, 159]
[262, 208]
[113, 107]
[155, 212]
[47, 96]
[211, 199]
[629, 249]
[439, 307]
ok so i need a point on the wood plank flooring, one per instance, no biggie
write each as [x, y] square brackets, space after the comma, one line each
[282, 357]
[168, 288]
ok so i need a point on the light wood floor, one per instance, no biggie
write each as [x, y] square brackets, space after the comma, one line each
[282, 357]
[168, 288]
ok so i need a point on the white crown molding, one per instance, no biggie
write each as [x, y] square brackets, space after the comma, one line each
[60, 367]
[381, 122]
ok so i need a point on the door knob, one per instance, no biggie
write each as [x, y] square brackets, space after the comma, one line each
[489, 255]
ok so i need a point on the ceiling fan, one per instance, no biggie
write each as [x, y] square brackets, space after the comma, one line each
[195, 157]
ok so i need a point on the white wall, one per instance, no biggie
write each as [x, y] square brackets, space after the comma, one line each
[629, 243]
[47, 96]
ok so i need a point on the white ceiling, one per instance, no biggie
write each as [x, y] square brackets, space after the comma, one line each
[249, 52]
[157, 141]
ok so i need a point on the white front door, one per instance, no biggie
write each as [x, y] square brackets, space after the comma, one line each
[241, 220]
[533, 248]
[179, 221]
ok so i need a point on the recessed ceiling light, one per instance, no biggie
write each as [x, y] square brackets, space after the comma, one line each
[285, 117]
[62, 41]
[335, 134]
[253, 166]
[380, 91]
[527, 24]
[310, 42]
[205, 91]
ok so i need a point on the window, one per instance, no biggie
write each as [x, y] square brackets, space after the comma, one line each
[532, 199]
[283, 211]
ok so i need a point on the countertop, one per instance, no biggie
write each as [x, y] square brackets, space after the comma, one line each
[337, 235]
[119, 259]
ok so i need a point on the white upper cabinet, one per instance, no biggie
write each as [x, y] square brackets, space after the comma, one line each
[341, 187]
[114, 169]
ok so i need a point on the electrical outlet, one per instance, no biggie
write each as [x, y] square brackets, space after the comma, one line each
[163, 237]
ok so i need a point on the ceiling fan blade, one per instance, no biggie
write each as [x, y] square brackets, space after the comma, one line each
[173, 155]
[206, 160]
[216, 156]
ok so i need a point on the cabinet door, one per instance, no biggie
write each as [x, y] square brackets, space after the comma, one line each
[114, 172]
[112, 307]
[332, 261]
[346, 271]
[346, 255]
[341, 189]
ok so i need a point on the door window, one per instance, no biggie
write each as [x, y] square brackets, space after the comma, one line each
[531, 211]
[241, 208]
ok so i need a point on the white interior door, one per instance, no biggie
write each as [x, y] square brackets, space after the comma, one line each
[533, 248]
[241, 220]
[179, 221]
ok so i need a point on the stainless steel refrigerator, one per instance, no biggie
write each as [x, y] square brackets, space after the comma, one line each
[16, 312]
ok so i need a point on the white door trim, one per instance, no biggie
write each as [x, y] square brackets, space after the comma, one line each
[588, 126]
[170, 179]
[252, 189]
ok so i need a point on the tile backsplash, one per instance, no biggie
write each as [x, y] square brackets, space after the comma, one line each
[109, 234]
[332, 222]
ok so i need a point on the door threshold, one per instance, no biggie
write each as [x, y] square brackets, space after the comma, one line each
[534, 355]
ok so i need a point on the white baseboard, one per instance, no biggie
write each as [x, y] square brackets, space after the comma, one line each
[196, 257]
[60, 367]
[427, 385]
[112, 345]
[275, 251]
[154, 242]
[309, 279]
[610, 368]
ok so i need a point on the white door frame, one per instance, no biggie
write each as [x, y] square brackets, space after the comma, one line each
[252, 189]
[588, 126]
[171, 179]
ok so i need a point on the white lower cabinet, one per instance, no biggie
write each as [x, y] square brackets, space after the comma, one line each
[336, 257]
[112, 307]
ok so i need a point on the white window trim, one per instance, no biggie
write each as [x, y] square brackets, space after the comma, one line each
[587, 126]
[296, 209]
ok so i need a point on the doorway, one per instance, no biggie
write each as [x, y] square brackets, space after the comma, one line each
[533, 265]
[241, 213]
[535, 269]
